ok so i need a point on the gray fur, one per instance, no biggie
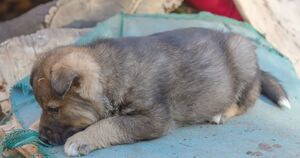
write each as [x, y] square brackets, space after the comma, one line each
[189, 75]
[271, 88]
[184, 76]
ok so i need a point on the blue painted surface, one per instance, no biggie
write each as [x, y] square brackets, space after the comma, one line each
[264, 131]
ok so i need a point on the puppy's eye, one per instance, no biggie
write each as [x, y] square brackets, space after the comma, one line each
[53, 110]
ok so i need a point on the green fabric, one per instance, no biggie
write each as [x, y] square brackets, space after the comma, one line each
[22, 137]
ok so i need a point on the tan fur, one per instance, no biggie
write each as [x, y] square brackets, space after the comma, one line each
[69, 59]
[88, 70]
[232, 111]
[83, 116]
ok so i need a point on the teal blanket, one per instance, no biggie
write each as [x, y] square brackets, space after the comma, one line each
[264, 131]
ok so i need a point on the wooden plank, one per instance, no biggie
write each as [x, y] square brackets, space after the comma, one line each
[279, 21]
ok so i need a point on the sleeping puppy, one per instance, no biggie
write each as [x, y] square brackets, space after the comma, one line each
[116, 91]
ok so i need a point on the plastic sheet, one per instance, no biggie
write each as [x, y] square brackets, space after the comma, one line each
[248, 135]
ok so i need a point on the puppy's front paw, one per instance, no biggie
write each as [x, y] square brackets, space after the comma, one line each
[77, 145]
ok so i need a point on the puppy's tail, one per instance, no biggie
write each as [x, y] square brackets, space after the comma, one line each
[271, 88]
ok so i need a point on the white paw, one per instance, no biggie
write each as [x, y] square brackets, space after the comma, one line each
[76, 145]
[284, 103]
[218, 119]
[71, 150]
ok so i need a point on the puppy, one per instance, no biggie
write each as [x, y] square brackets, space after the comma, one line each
[116, 91]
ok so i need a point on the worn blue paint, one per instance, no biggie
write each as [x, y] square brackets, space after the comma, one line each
[264, 125]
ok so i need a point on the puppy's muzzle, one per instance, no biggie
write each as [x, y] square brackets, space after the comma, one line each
[56, 135]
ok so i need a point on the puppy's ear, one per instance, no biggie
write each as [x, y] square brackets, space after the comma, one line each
[62, 80]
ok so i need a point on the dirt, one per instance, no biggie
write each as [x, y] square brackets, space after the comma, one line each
[254, 153]
[276, 146]
[265, 147]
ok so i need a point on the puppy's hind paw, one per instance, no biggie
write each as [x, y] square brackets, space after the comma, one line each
[217, 119]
